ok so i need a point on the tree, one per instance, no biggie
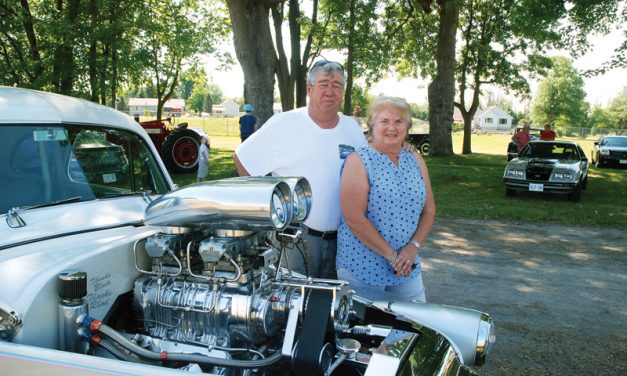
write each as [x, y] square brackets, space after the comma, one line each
[353, 29]
[207, 106]
[560, 97]
[255, 52]
[618, 109]
[175, 33]
[423, 44]
[498, 46]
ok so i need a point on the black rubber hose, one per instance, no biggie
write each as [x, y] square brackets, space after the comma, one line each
[192, 358]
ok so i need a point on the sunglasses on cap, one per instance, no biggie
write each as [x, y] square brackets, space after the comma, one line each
[323, 63]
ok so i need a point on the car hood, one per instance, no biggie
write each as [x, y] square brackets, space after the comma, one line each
[522, 163]
[48, 222]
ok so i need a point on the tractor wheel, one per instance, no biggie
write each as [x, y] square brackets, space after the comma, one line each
[424, 148]
[180, 151]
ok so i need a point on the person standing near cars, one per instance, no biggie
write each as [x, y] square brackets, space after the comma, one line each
[547, 134]
[522, 137]
[203, 159]
[388, 209]
[247, 122]
[312, 142]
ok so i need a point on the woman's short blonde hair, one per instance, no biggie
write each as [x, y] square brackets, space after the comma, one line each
[384, 102]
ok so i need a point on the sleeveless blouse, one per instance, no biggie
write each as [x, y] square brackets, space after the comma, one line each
[395, 201]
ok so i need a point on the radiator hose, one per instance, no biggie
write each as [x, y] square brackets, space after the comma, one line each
[97, 326]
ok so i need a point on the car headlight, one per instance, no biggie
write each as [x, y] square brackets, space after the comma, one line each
[563, 175]
[604, 152]
[515, 173]
[485, 339]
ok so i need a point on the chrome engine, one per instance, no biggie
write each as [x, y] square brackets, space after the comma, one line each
[216, 295]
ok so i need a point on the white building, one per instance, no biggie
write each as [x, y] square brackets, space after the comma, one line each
[139, 106]
[228, 108]
[493, 119]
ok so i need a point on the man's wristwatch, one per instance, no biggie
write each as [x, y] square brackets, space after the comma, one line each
[415, 243]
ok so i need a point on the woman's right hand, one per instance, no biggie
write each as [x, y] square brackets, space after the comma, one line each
[404, 263]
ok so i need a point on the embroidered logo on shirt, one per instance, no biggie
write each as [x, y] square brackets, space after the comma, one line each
[345, 150]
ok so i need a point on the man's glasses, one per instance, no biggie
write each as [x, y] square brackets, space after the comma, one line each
[323, 63]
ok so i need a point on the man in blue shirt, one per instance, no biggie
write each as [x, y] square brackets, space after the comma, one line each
[247, 123]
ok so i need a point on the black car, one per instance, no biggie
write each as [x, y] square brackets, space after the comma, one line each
[548, 166]
[610, 150]
[512, 148]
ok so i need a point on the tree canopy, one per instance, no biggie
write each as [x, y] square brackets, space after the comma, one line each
[560, 99]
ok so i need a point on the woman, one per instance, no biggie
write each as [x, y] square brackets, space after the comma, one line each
[388, 209]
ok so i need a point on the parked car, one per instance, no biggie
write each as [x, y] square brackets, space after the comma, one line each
[512, 148]
[194, 279]
[548, 166]
[610, 150]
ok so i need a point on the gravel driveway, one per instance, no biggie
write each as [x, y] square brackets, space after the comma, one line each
[558, 294]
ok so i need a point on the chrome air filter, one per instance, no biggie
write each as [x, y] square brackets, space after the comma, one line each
[228, 204]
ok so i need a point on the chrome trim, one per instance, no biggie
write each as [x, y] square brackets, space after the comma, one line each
[485, 339]
[10, 322]
[228, 204]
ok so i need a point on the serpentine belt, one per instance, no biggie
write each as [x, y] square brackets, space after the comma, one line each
[307, 354]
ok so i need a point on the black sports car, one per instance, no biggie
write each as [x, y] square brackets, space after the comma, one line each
[610, 150]
[548, 166]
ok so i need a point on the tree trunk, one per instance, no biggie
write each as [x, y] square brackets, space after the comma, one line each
[64, 68]
[301, 76]
[286, 90]
[348, 110]
[442, 88]
[33, 49]
[296, 66]
[255, 52]
[93, 53]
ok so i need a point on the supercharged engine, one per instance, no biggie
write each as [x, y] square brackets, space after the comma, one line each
[216, 295]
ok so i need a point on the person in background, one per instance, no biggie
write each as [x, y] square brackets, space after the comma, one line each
[388, 209]
[203, 159]
[247, 123]
[311, 142]
[547, 134]
[522, 137]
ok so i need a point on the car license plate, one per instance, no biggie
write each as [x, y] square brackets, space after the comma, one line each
[623, 161]
[536, 187]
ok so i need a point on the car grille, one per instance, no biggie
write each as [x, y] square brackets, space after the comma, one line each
[539, 172]
[618, 154]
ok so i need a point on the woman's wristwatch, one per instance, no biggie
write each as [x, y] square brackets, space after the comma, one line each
[415, 243]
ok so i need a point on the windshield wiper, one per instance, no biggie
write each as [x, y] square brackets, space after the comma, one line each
[13, 217]
[144, 194]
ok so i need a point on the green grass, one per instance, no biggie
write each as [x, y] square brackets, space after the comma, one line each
[471, 186]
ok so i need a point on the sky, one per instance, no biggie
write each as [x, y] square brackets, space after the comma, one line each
[600, 90]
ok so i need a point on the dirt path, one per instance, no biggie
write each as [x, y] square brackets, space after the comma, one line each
[558, 294]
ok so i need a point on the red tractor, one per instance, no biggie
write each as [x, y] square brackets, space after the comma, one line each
[177, 145]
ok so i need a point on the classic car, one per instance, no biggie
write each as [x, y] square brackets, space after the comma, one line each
[548, 166]
[610, 150]
[512, 148]
[141, 278]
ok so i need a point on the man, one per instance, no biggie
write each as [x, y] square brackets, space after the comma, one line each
[522, 137]
[313, 142]
[547, 134]
[247, 123]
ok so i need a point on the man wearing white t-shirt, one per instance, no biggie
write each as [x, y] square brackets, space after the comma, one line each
[313, 142]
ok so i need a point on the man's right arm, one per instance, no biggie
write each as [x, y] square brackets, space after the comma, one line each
[241, 170]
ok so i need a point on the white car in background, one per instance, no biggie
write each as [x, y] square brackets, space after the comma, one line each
[106, 268]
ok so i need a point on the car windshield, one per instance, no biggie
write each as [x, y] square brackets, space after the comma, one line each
[549, 151]
[615, 141]
[42, 164]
